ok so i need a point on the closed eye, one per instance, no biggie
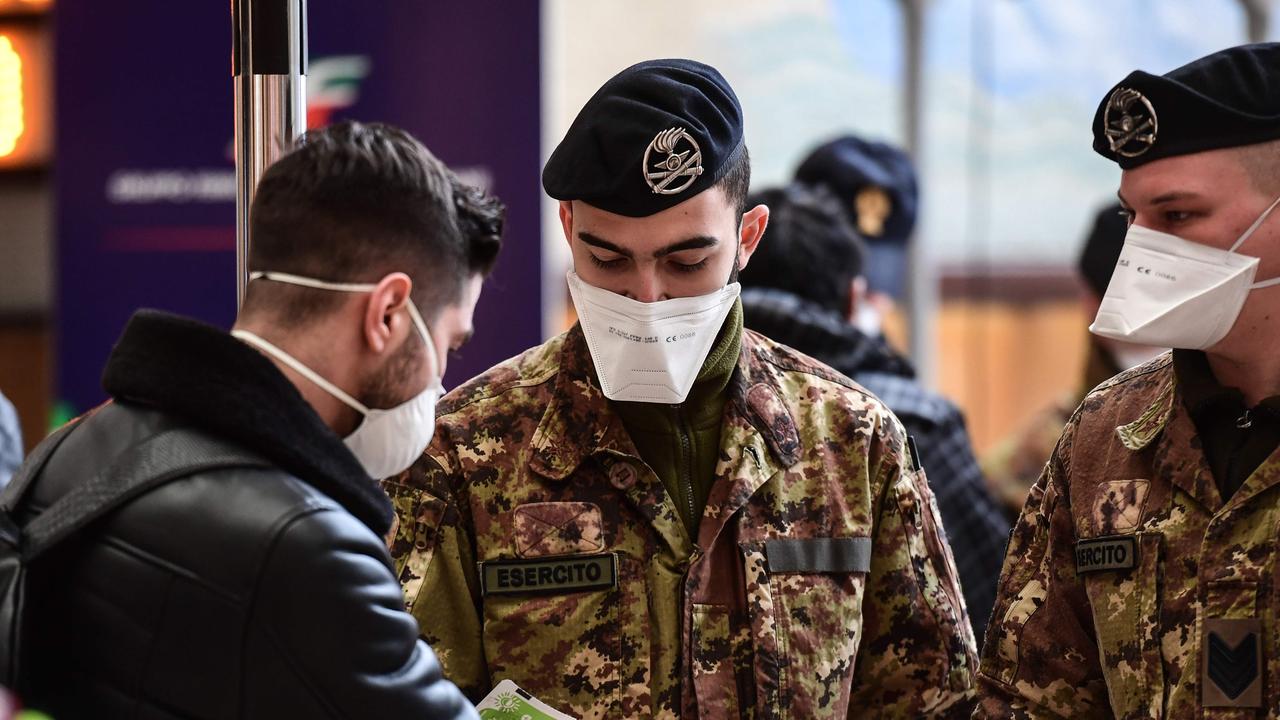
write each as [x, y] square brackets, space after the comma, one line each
[689, 267]
[613, 264]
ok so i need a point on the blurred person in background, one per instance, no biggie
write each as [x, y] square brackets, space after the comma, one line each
[266, 590]
[803, 290]
[1141, 577]
[659, 513]
[1013, 464]
[10, 440]
[876, 185]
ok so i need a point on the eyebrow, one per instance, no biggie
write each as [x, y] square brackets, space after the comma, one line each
[1165, 198]
[698, 242]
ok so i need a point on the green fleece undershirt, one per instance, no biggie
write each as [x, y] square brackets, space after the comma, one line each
[682, 442]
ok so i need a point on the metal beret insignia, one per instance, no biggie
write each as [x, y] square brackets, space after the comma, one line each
[675, 170]
[1129, 122]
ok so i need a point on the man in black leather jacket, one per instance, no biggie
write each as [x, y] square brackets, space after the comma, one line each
[268, 593]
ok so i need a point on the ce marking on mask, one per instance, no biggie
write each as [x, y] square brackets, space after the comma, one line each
[651, 339]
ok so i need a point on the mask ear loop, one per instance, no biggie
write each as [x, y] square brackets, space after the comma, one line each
[290, 279]
[1256, 224]
[431, 345]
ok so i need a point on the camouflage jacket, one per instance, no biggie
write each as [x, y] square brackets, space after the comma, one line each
[535, 545]
[1130, 588]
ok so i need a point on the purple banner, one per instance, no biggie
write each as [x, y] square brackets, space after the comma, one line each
[145, 174]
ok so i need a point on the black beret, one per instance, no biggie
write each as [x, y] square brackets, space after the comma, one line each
[1101, 249]
[1226, 99]
[863, 174]
[653, 136]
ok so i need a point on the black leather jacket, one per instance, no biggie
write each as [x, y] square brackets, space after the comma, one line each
[229, 594]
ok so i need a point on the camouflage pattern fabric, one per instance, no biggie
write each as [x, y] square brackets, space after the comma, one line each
[529, 463]
[1126, 641]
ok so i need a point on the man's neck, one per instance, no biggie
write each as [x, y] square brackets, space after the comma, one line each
[332, 411]
[1257, 377]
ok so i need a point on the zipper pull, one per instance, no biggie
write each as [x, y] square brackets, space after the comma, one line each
[751, 450]
[1245, 421]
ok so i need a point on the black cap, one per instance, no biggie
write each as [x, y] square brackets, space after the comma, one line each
[1226, 99]
[876, 185]
[862, 174]
[653, 136]
[1102, 248]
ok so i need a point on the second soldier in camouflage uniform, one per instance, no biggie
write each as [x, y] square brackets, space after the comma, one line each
[1141, 579]
[758, 542]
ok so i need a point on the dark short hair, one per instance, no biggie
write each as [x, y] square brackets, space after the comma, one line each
[481, 218]
[809, 248]
[736, 180]
[353, 202]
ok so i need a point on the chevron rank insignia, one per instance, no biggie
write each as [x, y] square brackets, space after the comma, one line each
[1231, 663]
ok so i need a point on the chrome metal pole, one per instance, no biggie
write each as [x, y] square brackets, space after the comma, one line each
[269, 66]
[922, 291]
[1257, 15]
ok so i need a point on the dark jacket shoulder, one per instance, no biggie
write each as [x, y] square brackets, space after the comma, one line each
[229, 593]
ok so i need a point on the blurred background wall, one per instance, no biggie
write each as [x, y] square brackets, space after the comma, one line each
[114, 189]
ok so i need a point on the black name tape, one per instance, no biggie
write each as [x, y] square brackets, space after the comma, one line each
[1114, 552]
[554, 575]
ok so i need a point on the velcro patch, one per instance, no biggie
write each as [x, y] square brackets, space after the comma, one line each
[1114, 552]
[549, 575]
[818, 555]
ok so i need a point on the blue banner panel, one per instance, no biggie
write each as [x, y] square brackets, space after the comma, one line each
[145, 174]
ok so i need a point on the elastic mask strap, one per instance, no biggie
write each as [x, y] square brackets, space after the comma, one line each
[1265, 283]
[301, 369]
[1256, 224]
[426, 339]
[348, 287]
[288, 279]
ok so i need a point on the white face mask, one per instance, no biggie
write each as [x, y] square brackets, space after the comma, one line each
[1170, 292]
[387, 441]
[649, 352]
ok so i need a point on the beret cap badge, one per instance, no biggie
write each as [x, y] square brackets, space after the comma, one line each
[676, 166]
[1130, 123]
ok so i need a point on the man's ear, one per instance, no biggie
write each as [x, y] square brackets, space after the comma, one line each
[566, 220]
[384, 320]
[754, 221]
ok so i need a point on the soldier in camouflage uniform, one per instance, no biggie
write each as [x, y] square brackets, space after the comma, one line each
[1141, 579]
[760, 543]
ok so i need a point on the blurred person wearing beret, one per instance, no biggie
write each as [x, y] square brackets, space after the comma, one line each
[659, 513]
[1141, 578]
[1014, 464]
[802, 289]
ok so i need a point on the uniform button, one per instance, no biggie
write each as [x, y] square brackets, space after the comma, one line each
[622, 476]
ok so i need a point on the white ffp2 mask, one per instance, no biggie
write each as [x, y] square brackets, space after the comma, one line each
[1171, 292]
[649, 352]
[387, 441]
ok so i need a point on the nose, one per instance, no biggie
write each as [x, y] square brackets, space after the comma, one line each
[648, 288]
